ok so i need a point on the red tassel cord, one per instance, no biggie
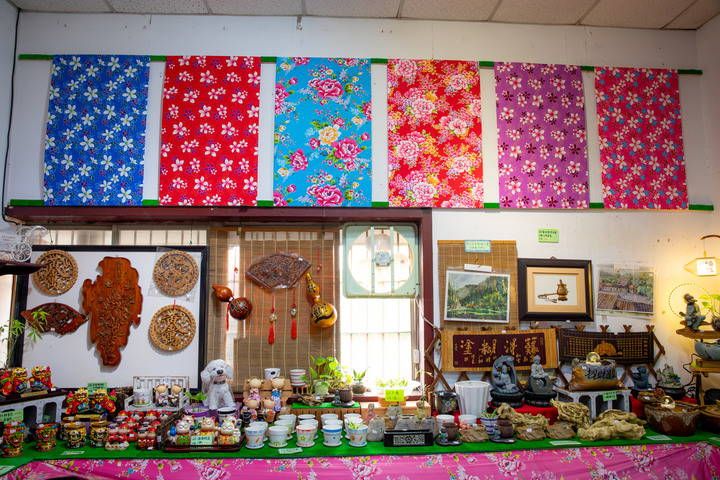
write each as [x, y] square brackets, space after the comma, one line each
[293, 314]
[273, 317]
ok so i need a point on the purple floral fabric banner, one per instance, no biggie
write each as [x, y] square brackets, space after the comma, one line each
[641, 140]
[322, 132]
[542, 148]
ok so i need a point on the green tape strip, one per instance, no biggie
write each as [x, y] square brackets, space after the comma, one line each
[265, 203]
[32, 56]
[381, 204]
[491, 205]
[597, 205]
[689, 71]
[706, 208]
[26, 203]
[587, 68]
[268, 59]
[380, 61]
[486, 64]
[158, 58]
[149, 202]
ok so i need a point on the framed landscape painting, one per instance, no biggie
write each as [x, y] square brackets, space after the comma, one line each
[477, 297]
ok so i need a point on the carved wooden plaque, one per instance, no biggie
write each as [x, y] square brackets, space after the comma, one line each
[114, 303]
[626, 348]
[175, 273]
[60, 317]
[172, 328]
[59, 274]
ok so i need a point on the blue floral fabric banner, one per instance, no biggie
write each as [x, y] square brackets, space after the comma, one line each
[322, 132]
[95, 140]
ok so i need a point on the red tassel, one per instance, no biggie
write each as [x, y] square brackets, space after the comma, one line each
[293, 330]
[227, 318]
[271, 338]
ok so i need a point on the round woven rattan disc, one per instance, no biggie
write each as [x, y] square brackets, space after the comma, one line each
[172, 328]
[59, 274]
[175, 273]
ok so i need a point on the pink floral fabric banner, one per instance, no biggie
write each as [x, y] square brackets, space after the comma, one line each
[641, 141]
[542, 148]
[210, 131]
[434, 134]
[639, 462]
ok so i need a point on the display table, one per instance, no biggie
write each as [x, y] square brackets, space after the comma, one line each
[654, 456]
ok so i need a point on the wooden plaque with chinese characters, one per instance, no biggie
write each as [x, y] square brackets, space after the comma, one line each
[466, 351]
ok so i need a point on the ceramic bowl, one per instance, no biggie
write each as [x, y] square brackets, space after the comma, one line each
[711, 418]
[708, 351]
[679, 421]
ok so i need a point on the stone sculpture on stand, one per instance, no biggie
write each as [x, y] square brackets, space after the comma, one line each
[539, 387]
[504, 383]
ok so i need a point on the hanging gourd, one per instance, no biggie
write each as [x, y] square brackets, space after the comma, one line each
[322, 314]
[239, 308]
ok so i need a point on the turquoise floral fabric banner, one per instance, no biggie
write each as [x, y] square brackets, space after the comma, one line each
[95, 136]
[322, 132]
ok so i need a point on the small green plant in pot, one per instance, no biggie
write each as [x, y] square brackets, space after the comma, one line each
[711, 303]
[358, 387]
[197, 409]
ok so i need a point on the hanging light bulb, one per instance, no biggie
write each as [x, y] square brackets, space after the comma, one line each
[703, 266]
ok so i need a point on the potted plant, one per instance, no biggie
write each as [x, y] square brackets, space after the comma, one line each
[358, 387]
[711, 302]
[196, 408]
[489, 420]
[12, 331]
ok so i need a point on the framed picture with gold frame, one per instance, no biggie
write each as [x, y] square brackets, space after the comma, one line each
[555, 290]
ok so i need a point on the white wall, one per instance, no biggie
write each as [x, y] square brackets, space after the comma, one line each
[663, 240]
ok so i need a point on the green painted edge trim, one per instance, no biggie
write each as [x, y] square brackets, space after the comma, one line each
[26, 203]
[486, 64]
[158, 58]
[34, 56]
[268, 59]
[597, 205]
[689, 71]
[148, 202]
[265, 203]
[378, 61]
[491, 205]
[587, 68]
[381, 204]
[706, 208]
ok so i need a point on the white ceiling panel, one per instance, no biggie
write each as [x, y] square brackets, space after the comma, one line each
[353, 8]
[187, 7]
[548, 12]
[696, 15]
[255, 7]
[635, 13]
[468, 10]
[71, 6]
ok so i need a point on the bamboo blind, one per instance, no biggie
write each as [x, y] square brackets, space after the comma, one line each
[502, 258]
[251, 351]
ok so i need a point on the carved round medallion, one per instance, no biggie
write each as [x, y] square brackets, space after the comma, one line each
[175, 273]
[172, 328]
[59, 274]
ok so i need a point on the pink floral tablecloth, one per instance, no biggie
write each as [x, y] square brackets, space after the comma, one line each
[669, 461]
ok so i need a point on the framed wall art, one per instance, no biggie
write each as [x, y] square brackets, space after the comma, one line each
[625, 290]
[555, 290]
[477, 297]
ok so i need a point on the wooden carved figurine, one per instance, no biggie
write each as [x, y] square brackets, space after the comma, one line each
[114, 302]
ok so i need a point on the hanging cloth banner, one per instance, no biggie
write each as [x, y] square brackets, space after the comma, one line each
[209, 133]
[95, 136]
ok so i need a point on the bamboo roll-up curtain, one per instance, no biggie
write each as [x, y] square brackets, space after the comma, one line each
[245, 345]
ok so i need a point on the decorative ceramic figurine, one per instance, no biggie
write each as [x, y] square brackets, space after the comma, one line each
[370, 413]
[504, 383]
[692, 315]
[102, 402]
[182, 433]
[99, 434]
[14, 380]
[239, 308]
[215, 384]
[75, 435]
[226, 433]
[13, 439]
[174, 396]
[161, 395]
[46, 434]
[539, 387]
[376, 430]
[670, 382]
[641, 379]
[78, 402]
[322, 313]
[40, 379]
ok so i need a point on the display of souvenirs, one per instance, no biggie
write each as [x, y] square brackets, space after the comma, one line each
[13, 439]
[14, 380]
[594, 374]
[45, 433]
[41, 379]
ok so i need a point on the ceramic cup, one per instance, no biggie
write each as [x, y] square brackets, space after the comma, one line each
[306, 435]
[142, 396]
[271, 373]
[296, 375]
[278, 436]
[288, 424]
[442, 418]
[358, 436]
[226, 412]
[288, 416]
[467, 420]
[254, 436]
[332, 435]
[328, 416]
[264, 426]
[350, 417]
[310, 421]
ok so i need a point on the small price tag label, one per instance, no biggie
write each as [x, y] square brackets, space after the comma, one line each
[609, 395]
[91, 387]
[201, 440]
[289, 451]
[548, 235]
[565, 442]
[11, 416]
[658, 438]
[394, 395]
[73, 452]
[477, 246]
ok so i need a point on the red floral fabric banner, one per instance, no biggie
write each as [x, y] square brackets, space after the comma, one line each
[434, 134]
[210, 131]
[641, 141]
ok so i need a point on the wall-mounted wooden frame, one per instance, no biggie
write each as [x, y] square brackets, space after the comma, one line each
[555, 290]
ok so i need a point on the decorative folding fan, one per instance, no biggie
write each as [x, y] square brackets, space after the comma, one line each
[278, 270]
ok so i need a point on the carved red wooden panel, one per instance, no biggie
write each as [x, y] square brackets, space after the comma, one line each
[60, 317]
[113, 303]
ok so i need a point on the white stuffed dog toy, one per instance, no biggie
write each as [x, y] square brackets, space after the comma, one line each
[215, 386]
